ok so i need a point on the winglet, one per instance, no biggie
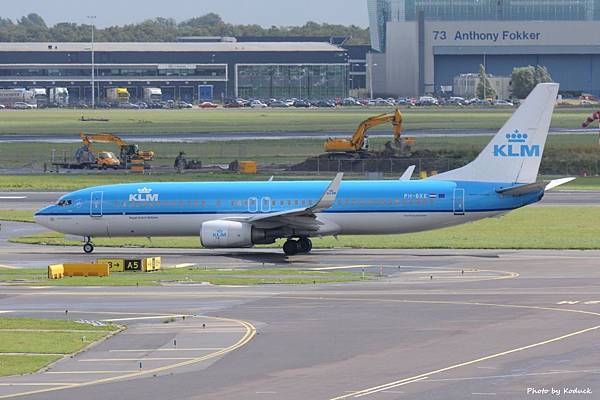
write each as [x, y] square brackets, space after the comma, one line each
[408, 173]
[330, 194]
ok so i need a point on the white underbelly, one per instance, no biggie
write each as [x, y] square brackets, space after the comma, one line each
[190, 224]
[398, 222]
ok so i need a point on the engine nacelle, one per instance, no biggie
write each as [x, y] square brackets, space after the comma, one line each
[226, 234]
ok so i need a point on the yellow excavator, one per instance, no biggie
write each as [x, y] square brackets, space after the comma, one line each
[359, 141]
[127, 152]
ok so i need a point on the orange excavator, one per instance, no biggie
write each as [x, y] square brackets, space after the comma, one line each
[127, 152]
[360, 140]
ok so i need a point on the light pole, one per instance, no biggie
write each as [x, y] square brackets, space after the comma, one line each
[371, 65]
[92, 18]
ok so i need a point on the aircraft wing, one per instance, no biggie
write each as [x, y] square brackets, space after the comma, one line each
[534, 187]
[299, 218]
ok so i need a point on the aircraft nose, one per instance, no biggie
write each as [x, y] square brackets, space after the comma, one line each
[41, 215]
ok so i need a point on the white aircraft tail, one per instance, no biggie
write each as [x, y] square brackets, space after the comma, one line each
[515, 153]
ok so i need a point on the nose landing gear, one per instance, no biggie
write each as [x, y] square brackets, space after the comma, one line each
[88, 247]
[293, 247]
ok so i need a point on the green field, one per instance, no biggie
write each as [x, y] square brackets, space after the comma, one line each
[68, 122]
[289, 276]
[70, 182]
[526, 228]
[28, 344]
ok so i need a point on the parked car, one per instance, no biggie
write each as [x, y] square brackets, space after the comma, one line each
[427, 101]
[23, 106]
[456, 100]
[208, 104]
[257, 104]
[504, 103]
[350, 101]
[142, 104]
[301, 104]
[129, 106]
[383, 102]
[184, 104]
[233, 104]
[2, 106]
[325, 104]
[278, 104]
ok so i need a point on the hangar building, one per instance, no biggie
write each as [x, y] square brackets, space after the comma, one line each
[205, 70]
[424, 44]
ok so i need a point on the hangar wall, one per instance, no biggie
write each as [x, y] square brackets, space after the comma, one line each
[570, 50]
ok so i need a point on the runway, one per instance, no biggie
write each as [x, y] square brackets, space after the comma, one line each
[439, 324]
[37, 200]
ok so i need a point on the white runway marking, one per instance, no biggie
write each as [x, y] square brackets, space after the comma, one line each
[12, 197]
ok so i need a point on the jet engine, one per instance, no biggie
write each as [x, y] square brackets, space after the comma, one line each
[220, 234]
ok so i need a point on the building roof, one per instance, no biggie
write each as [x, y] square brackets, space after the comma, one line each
[171, 46]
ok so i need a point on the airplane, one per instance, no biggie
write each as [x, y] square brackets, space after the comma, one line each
[242, 214]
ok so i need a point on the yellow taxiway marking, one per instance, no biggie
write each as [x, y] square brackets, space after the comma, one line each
[174, 349]
[248, 336]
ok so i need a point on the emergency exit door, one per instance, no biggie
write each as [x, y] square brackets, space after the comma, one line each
[459, 201]
[96, 204]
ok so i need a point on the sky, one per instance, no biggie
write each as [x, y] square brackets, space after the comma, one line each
[262, 12]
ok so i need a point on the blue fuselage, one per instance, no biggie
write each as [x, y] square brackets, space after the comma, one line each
[366, 207]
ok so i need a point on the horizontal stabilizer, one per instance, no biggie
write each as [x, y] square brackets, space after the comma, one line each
[534, 187]
[408, 173]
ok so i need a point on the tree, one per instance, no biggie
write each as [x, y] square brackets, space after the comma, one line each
[33, 28]
[524, 79]
[484, 87]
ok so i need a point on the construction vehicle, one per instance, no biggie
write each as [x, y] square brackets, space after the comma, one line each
[128, 153]
[117, 95]
[359, 143]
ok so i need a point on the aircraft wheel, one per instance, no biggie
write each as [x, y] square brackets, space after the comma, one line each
[88, 248]
[305, 245]
[290, 248]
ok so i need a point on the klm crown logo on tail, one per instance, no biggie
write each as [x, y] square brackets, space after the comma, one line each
[517, 146]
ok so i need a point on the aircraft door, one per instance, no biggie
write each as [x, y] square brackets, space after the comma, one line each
[96, 204]
[252, 205]
[459, 201]
[265, 205]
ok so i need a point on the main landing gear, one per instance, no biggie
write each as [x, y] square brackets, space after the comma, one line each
[88, 247]
[293, 247]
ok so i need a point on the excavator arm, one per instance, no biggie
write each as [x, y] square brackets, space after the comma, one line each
[357, 141]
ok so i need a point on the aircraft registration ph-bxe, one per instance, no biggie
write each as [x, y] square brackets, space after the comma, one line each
[243, 214]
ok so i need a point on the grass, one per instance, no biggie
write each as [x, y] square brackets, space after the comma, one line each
[526, 228]
[185, 275]
[22, 364]
[42, 342]
[68, 122]
[16, 215]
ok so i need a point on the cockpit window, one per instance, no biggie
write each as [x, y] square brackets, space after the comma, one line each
[64, 203]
